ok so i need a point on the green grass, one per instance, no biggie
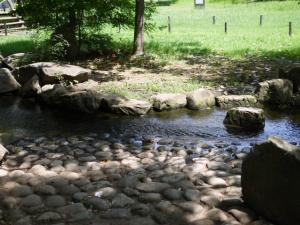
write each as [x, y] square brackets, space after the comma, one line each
[194, 34]
[15, 44]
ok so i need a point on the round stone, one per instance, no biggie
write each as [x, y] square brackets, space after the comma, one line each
[55, 201]
[172, 194]
[21, 191]
[31, 201]
[98, 203]
[44, 189]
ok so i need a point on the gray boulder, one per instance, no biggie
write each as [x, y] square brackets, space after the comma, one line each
[54, 73]
[201, 99]
[246, 118]
[162, 102]
[31, 88]
[12, 61]
[121, 105]
[63, 97]
[271, 181]
[25, 73]
[292, 73]
[230, 101]
[3, 152]
[276, 91]
[7, 81]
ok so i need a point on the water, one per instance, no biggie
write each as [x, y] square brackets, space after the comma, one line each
[26, 118]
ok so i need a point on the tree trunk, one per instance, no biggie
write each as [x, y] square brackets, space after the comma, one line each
[138, 48]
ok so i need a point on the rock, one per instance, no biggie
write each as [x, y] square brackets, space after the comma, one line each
[117, 214]
[217, 215]
[164, 102]
[12, 61]
[31, 88]
[7, 82]
[60, 96]
[44, 189]
[246, 118]
[98, 203]
[48, 216]
[217, 182]
[270, 181]
[55, 201]
[156, 187]
[276, 91]
[201, 99]
[243, 215]
[3, 152]
[140, 209]
[230, 101]
[53, 73]
[21, 191]
[31, 201]
[25, 73]
[122, 105]
[172, 194]
[292, 73]
[192, 194]
[74, 212]
[150, 197]
[122, 201]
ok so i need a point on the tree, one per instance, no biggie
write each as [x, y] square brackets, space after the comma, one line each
[74, 19]
[138, 48]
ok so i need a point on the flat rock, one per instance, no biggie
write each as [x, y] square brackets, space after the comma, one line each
[156, 187]
[164, 102]
[7, 82]
[230, 101]
[201, 99]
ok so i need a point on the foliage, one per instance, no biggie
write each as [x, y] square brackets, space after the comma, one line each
[73, 19]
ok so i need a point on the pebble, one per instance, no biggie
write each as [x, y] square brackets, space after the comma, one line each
[172, 194]
[31, 201]
[98, 203]
[150, 197]
[55, 201]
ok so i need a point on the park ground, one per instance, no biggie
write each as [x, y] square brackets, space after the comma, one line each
[196, 53]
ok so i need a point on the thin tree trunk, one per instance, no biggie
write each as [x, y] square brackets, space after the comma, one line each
[138, 48]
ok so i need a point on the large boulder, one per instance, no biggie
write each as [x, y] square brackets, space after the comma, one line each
[271, 181]
[3, 152]
[121, 105]
[25, 73]
[31, 88]
[162, 102]
[63, 97]
[292, 73]
[12, 61]
[57, 72]
[7, 81]
[246, 118]
[276, 91]
[230, 101]
[52, 73]
[201, 99]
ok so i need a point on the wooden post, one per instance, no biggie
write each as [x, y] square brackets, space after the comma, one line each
[225, 27]
[290, 29]
[5, 29]
[214, 20]
[169, 24]
[261, 20]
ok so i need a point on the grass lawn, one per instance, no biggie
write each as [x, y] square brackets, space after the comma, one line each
[193, 31]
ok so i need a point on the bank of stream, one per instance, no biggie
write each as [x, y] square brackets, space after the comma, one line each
[25, 118]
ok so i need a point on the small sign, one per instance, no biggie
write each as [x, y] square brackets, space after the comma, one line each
[199, 2]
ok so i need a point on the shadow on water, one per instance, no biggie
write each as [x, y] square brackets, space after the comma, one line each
[26, 118]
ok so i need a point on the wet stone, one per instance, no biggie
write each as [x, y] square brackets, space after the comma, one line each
[21, 191]
[31, 201]
[122, 201]
[172, 194]
[140, 209]
[117, 214]
[74, 212]
[150, 197]
[98, 203]
[48, 217]
[44, 189]
[55, 201]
